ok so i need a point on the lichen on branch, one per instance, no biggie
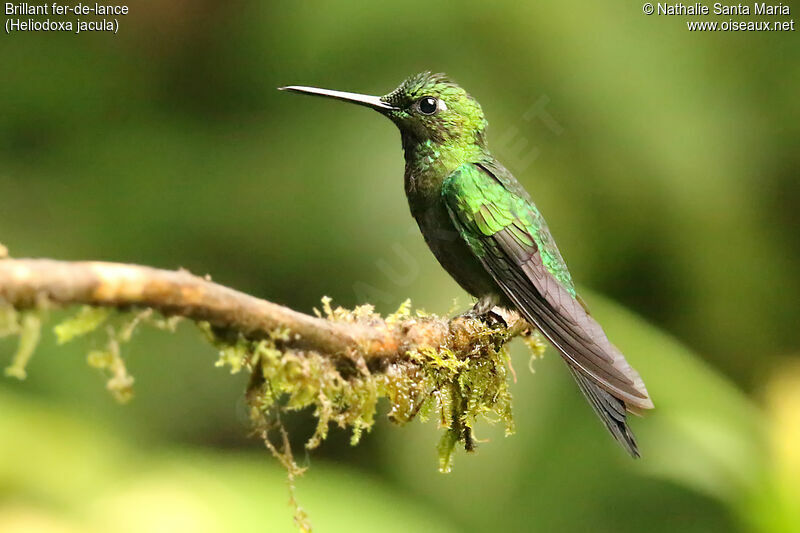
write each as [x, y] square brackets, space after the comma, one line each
[430, 382]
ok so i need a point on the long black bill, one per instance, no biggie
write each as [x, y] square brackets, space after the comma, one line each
[373, 102]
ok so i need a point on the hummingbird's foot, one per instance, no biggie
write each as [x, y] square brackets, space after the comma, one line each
[483, 310]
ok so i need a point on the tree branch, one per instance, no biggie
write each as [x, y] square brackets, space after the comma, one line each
[25, 283]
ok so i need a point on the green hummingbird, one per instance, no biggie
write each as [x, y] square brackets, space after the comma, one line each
[485, 231]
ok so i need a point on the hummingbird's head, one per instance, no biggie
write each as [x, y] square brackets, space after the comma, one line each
[432, 107]
[425, 107]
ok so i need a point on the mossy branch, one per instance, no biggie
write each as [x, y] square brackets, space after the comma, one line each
[26, 283]
[339, 362]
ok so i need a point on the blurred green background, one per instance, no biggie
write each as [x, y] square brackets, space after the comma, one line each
[668, 168]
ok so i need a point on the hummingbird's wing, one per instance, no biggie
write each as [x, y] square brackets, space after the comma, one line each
[508, 235]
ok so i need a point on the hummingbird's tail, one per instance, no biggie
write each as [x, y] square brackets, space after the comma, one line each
[611, 411]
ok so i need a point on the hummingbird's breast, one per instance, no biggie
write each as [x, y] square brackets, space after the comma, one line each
[423, 185]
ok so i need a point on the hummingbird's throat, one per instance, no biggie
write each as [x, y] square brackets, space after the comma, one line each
[442, 159]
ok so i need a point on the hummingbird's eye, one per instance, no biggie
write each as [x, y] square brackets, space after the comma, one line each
[428, 105]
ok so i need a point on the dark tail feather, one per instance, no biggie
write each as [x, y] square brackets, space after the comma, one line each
[610, 410]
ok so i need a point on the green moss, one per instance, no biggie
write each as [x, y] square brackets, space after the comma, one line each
[9, 320]
[462, 389]
[455, 389]
[87, 320]
[445, 448]
[29, 330]
[536, 345]
[119, 329]
[110, 362]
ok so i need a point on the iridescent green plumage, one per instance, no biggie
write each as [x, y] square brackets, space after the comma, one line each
[482, 226]
[485, 208]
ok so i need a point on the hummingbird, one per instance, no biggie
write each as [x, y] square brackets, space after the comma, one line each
[485, 231]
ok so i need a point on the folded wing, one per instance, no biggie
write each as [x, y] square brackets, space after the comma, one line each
[509, 236]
